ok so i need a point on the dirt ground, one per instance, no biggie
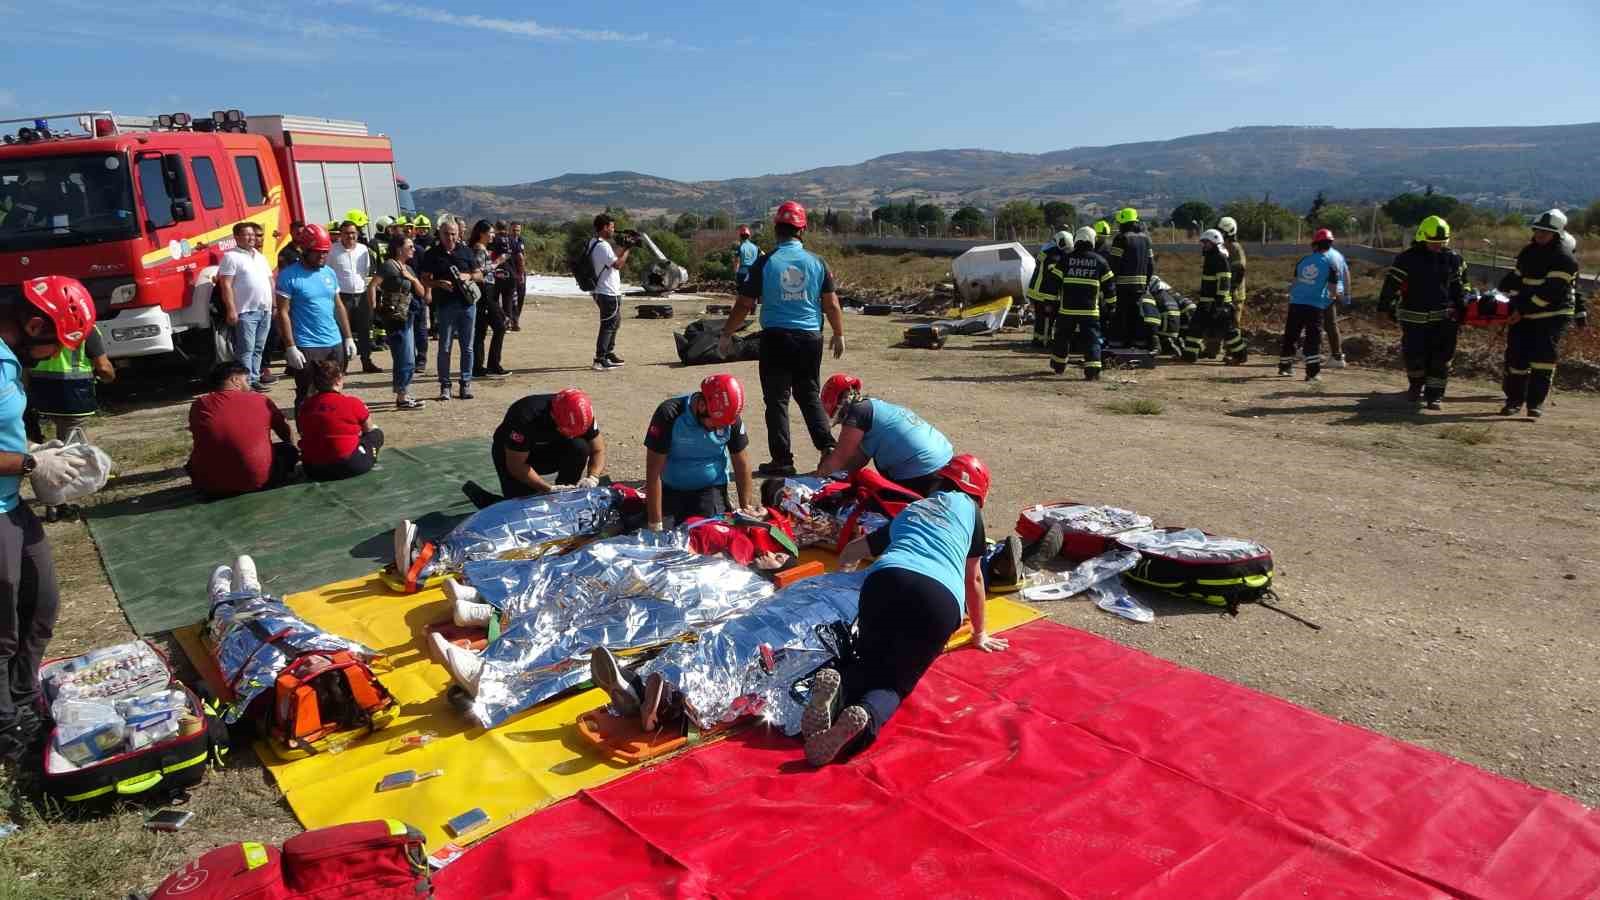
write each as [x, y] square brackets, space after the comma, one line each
[1451, 557]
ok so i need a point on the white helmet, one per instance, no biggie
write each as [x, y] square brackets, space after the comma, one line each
[1063, 240]
[1550, 220]
[1084, 235]
[1212, 235]
[1228, 226]
[1569, 242]
[382, 222]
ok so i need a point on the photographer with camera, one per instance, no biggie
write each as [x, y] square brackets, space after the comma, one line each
[451, 269]
[608, 265]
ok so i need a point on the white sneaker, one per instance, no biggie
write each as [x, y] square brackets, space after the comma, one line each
[244, 575]
[221, 583]
[405, 537]
[1336, 363]
[465, 610]
[464, 665]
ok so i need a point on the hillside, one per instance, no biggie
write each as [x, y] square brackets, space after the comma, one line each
[1516, 167]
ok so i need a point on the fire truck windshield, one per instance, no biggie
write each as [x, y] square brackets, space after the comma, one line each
[65, 201]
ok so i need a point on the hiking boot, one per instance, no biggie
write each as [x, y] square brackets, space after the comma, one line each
[463, 665]
[1535, 412]
[405, 540]
[825, 746]
[623, 687]
[1058, 368]
[1510, 409]
[1047, 547]
[774, 469]
[368, 367]
[1091, 374]
[819, 707]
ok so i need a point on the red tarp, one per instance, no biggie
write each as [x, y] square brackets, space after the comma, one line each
[1070, 766]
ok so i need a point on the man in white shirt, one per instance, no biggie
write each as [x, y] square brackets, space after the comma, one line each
[351, 262]
[244, 285]
[607, 265]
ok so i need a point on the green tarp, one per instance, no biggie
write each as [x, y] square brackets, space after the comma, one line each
[159, 549]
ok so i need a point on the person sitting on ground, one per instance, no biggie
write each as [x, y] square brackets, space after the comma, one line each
[690, 445]
[544, 434]
[928, 558]
[337, 438]
[233, 428]
[904, 448]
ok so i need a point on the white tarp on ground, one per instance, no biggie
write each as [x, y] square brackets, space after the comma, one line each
[566, 286]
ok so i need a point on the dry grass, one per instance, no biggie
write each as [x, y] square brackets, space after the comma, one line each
[1468, 435]
[1136, 406]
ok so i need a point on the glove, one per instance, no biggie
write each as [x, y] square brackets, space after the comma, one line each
[837, 345]
[294, 357]
[588, 481]
[349, 348]
[725, 346]
[563, 487]
[55, 468]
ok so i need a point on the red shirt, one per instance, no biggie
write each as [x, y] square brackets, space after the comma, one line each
[330, 427]
[233, 441]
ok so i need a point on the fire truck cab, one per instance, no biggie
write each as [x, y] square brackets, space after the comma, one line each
[141, 209]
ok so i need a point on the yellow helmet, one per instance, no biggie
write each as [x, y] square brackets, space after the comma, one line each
[1102, 227]
[356, 217]
[1434, 230]
[1127, 214]
[402, 220]
[420, 221]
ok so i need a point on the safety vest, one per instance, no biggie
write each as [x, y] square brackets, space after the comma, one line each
[63, 385]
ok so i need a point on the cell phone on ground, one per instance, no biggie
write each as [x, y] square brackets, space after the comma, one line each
[168, 819]
[469, 821]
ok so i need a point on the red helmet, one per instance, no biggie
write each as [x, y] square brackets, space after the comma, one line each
[315, 239]
[791, 213]
[744, 230]
[969, 474]
[573, 412]
[68, 305]
[1322, 234]
[838, 385]
[724, 397]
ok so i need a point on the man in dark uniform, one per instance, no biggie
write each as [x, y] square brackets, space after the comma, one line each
[1425, 291]
[544, 434]
[1542, 289]
[1134, 261]
[1086, 278]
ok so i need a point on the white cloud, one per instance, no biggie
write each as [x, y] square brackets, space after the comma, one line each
[527, 28]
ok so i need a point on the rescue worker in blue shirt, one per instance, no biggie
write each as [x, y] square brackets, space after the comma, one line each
[312, 319]
[45, 314]
[899, 444]
[691, 444]
[929, 562]
[1317, 281]
[796, 293]
[745, 255]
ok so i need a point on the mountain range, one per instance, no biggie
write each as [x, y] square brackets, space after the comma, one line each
[1518, 168]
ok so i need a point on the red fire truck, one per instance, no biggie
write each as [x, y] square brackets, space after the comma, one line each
[141, 209]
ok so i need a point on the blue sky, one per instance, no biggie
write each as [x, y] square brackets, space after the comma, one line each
[496, 92]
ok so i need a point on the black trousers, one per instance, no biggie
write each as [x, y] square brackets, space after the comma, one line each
[359, 313]
[1130, 326]
[904, 621]
[358, 463]
[1303, 320]
[1077, 335]
[1044, 322]
[28, 605]
[314, 355]
[791, 363]
[567, 459]
[708, 502]
[1428, 350]
[605, 342]
[514, 292]
[1533, 347]
[491, 316]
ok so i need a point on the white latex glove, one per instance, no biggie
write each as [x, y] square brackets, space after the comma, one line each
[294, 357]
[55, 468]
[837, 345]
[562, 487]
[349, 348]
[588, 481]
[725, 346]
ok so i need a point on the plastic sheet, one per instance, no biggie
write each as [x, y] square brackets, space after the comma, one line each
[721, 675]
[1113, 597]
[1191, 545]
[253, 637]
[628, 593]
[94, 470]
[528, 527]
[1083, 576]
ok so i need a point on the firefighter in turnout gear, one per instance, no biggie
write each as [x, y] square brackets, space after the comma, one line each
[1236, 264]
[1134, 262]
[1086, 279]
[1102, 246]
[1215, 323]
[1045, 289]
[1425, 291]
[1543, 291]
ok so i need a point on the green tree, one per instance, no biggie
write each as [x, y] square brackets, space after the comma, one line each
[718, 221]
[970, 220]
[930, 217]
[1059, 214]
[1258, 217]
[687, 224]
[1409, 209]
[1186, 214]
[1019, 216]
[844, 222]
[1316, 207]
[1336, 218]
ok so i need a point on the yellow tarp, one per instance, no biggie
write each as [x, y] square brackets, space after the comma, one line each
[523, 765]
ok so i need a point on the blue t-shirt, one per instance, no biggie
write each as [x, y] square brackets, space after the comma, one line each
[935, 537]
[748, 253]
[790, 282]
[311, 295]
[13, 436]
[1344, 271]
[696, 458]
[1314, 276]
[899, 442]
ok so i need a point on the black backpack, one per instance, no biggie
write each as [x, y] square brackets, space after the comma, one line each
[583, 267]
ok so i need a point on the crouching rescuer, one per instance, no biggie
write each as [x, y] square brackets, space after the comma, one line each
[1086, 282]
[1425, 291]
[1542, 288]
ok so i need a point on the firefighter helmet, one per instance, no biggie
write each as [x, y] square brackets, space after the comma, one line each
[1063, 240]
[1322, 234]
[1084, 235]
[1101, 226]
[1211, 236]
[1550, 220]
[1228, 226]
[382, 223]
[969, 475]
[1126, 215]
[838, 386]
[791, 213]
[573, 412]
[403, 220]
[356, 217]
[1568, 242]
[315, 239]
[421, 221]
[724, 399]
[66, 302]
[1434, 230]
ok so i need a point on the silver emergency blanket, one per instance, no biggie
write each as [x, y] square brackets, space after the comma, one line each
[628, 593]
[1191, 545]
[1101, 520]
[254, 636]
[528, 527]
[818, 527]
[1082, 577]
[721, 675]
